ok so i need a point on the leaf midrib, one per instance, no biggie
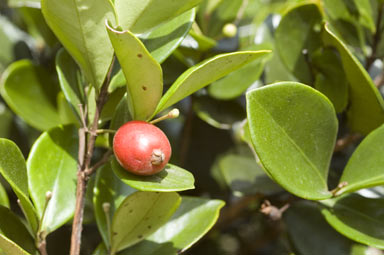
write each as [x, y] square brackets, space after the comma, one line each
[294, 144]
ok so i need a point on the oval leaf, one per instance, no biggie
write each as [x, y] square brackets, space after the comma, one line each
[358, 218]
[181, 231]
[27, 90]
[365, 167]
[108, 189]
[52, 166]
[302, 219]
[80, 28]
[205, 73]
[141, 214]
[293, 36]
[293, 130]
[143, 74]
[172, 178]
[366, 106]
[140, 16]
[7, 245]
[14, 171]
[69, 78]
[13, 228]
[163, 40]
[4, 201]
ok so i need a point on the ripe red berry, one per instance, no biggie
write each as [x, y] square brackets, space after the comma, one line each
[141, 148]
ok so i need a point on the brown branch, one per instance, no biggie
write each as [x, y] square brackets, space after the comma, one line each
[104, 159]
[43, 247]
[85, 154]
[342, 143]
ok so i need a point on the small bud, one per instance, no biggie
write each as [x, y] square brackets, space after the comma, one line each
[106, 207]
[174, 113]
[48, 195]
[229, 30]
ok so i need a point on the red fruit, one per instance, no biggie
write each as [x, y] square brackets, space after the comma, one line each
[141, 148]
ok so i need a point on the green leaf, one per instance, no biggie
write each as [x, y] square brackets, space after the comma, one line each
[171, 178]
[108, 189]
[4, 201]
[14, 171]
[29, 91]
[163, 40]
[354, 11]
[121, 115]
[114, 99]
[293, 130]
[143, 74]
[365, 167]
[100, 250]
[69, 78]
[219, 114]
[80, 28]
[7, 245]
[141, 214]
[302, 219]
[366, 106]
[24, 3]
[205, 73]
[234, 84]
[13, 228]
[330, 79]
[141, 16]
[52, 166]
[358, 218]
[244, 176]
[299, 30]
[182, 230]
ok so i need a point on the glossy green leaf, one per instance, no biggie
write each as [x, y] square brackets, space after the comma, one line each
[182, 230]
[140, 215]
[4, 200]
[100, 250]
[171, 178]
[7, 246]
[298, 31]
[245, 176]
[6, 117]
[52, 166]
[163, 40]
[108, 189]
[330, 78]
[309, 232]
[293, 130]
[24, 3]
[80, 28]
[205, 73]
[121, 115]
[219, 114]
[66, 112]
[235, 83]
[14, 171]
[13, 228]
[366, 106]
[365, 167]
[114, 99]
[69, 78]
[142, 73]
[29, 91]
[354, 11]
[358, 218]
[141, 16]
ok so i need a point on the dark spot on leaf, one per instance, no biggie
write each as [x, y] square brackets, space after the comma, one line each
[157, 192]
[144, 88]
[140, 236]
[139, 55]
[146, 218]
[114, 233]
[149, 227]
[131, 211]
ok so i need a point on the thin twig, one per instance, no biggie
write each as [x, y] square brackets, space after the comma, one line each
[104, 159]
[240, 12]
[84, 165]
[342, 143]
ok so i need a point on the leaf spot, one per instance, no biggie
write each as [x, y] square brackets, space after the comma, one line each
[114, 233]
[149, 226]
[139, 55]
[144, 88]
[140, 236]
